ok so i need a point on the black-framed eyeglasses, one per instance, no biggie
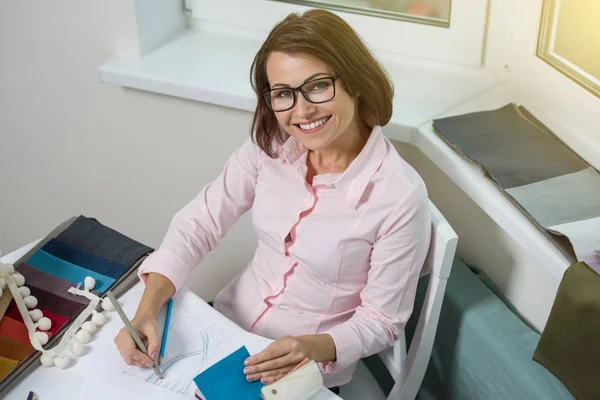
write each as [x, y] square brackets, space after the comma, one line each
[316, 91]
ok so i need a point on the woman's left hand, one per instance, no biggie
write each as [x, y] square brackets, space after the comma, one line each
[278, 358]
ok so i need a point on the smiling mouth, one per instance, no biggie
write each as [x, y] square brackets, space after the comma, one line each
[313, 126]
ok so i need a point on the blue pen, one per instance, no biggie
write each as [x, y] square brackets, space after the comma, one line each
[32, 396]
[163, 343]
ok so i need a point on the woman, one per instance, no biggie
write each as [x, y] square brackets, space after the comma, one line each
[343, 222]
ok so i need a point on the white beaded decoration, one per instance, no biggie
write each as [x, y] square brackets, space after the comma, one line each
[19, 279]
[42, 337]
[44, 324]
[99, 319]
[1, 293]
[46, 360]
[35, 315]
[61, 362]
[2, 284]
[25, 291]
[10, 269]
[3, 269]
[89, 326]
[107, 305]
[77, 348]
[89, 283]
[83, 336]
[30, 302]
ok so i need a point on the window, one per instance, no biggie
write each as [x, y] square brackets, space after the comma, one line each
[568, 41]
[456, 38]
[432, 12]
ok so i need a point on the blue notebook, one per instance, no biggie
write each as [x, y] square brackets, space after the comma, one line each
[226, 380]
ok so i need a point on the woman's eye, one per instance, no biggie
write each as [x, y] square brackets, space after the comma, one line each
[320, 86]
[283, 94]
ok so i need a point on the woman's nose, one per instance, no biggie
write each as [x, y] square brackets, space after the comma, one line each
[304, 109]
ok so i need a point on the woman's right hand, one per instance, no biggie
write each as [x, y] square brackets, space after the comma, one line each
[147, 328]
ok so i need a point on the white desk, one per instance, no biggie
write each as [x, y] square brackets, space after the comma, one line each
[84, 378]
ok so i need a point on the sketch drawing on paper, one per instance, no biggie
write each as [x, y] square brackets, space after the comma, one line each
[191, 346]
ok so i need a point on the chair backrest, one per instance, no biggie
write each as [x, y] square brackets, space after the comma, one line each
[411, 366]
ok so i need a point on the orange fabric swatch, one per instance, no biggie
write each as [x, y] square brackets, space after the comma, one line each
[14, 330]
[14, 350]
[5, 366]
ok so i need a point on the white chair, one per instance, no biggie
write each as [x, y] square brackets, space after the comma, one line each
[408, 369]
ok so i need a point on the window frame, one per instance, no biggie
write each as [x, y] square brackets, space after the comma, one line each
[375, 12]
[462, 43]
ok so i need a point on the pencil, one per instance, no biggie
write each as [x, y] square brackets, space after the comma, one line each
[163, 343]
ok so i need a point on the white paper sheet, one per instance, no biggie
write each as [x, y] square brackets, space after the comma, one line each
[196, 341]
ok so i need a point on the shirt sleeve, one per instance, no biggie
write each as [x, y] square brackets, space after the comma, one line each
[387, 300]
[198, 227]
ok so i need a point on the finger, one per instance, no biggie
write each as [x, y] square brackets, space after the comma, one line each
[270, 376]
[288, 360]
[138, 358]
[153, 341]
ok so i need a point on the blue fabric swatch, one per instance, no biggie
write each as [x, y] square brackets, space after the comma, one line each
[85, 259]
[226, 380]
[65, 270]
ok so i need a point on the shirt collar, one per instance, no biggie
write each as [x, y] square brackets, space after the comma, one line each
[356, 177]
[353, 182]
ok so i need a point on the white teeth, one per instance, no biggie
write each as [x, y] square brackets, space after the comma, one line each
[313, 125]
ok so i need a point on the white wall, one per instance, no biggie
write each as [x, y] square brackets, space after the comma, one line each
[70, 145]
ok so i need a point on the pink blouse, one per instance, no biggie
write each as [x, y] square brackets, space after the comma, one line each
[340, 257]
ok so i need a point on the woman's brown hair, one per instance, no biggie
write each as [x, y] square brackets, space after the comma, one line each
[327, 37]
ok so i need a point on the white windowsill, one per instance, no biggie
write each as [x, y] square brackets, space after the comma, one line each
[213, 67]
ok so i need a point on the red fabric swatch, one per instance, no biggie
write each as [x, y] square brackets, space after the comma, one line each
[58, 321]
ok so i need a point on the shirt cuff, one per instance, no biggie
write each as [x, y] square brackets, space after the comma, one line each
[348, 349]
[167, 264]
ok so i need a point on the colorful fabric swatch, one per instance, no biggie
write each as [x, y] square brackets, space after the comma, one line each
[89, 235]
[49, 283]
[6, 365]
[551, 183]
[56, 304]
[14, 350]
[57, 321]
[68, 271]
[84, 259]
[226, 379]
[14, 330]
[83, 248]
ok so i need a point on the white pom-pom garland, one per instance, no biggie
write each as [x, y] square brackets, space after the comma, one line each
[30, 302]
[83, 336]
[10, 269]
[89, 326]
[61, 362]
[2, 284]
[107, 305]
[44, 324]
[19, 279]
[46, 360]
[77, 348]
[25, 291]
[35, 315]
[99, 319]
[89, 283]
[42, 337]
[1, 292]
